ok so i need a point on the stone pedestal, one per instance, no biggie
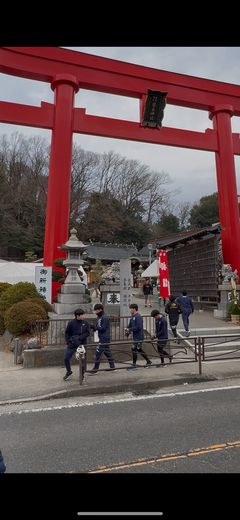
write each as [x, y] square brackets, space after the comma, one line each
[225, 298]
[72, 296]
[111, 298]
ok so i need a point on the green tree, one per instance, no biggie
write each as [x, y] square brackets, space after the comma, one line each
[205, 212]
[134, 230]
[101, 219]
[169, 224]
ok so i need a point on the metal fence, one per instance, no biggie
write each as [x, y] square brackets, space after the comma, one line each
[201, 349]
[122, 354]
[52, 332]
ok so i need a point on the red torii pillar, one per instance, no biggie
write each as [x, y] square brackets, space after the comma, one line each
[59, 182]
[227, 186]
[67, 70]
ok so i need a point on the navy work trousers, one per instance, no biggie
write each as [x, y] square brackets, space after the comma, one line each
[103, 349]
[67, 356]
[160, 345]
[185, 318]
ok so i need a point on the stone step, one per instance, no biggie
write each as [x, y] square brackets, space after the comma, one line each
[217, 343]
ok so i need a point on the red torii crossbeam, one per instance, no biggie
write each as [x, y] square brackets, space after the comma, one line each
[67, 72]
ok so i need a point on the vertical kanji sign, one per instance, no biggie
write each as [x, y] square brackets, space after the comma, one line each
[164, 283]
[43, 282]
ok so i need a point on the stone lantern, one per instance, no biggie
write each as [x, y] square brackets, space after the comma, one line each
[72, 293]
[74, 248]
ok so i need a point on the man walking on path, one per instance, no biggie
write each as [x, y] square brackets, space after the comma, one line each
[161, 334]
[136, 327]
[173, 310]
[103, 329]
[187, 307]
[76, 334]
[147, 290]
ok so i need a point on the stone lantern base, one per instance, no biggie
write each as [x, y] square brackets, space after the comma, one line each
[225, 298]
[72, 296]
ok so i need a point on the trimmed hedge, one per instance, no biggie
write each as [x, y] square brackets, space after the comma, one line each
[4, 286]
[16, 293]
[2, 326]
[40, 301]
[17, 317]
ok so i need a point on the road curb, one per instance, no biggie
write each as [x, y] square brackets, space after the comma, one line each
[113, 388]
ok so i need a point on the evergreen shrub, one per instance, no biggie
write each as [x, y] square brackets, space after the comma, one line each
[40, 301]
[4, 286]
[2, 325]
[18, 317]
[16, 293]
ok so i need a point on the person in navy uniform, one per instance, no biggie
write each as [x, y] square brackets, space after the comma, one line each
[147, 291]
[136, 327]
[173, 310]
[161, 334]
[103, 329]
[76, 334]
[187, 307]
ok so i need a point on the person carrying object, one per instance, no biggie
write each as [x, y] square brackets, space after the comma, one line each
[135, 327]
[76, 335]
[103, 328]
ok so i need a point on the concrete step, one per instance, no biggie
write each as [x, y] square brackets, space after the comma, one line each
[213, 331]
[221, 339]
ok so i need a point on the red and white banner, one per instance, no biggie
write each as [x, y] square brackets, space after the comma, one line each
[164, 282]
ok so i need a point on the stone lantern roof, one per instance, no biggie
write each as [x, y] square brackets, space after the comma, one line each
[73, 243]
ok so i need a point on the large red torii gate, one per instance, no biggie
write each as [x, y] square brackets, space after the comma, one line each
[67, 71]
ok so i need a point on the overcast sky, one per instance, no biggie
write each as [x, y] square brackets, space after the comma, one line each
[191, 170]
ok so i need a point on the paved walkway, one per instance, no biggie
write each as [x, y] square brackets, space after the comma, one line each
[18, 384]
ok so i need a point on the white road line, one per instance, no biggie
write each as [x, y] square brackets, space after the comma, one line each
[119, 400]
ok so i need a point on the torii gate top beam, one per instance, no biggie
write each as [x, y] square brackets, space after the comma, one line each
[116, 77]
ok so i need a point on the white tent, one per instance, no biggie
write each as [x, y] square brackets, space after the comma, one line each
[151, 271]
[13, 272]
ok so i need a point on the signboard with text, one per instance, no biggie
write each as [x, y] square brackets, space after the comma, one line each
[164, 282]
[125, 286]
[154, 108]
[43, 282]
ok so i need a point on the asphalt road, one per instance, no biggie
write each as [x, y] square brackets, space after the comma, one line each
[194, 430]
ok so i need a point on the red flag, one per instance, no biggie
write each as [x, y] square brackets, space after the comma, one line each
[164, 282]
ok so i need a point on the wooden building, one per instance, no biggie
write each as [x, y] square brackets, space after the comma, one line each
[194, 261]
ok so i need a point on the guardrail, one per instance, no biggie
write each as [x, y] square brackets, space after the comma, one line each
[196, 353]
[52, 332]
[173, 348]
